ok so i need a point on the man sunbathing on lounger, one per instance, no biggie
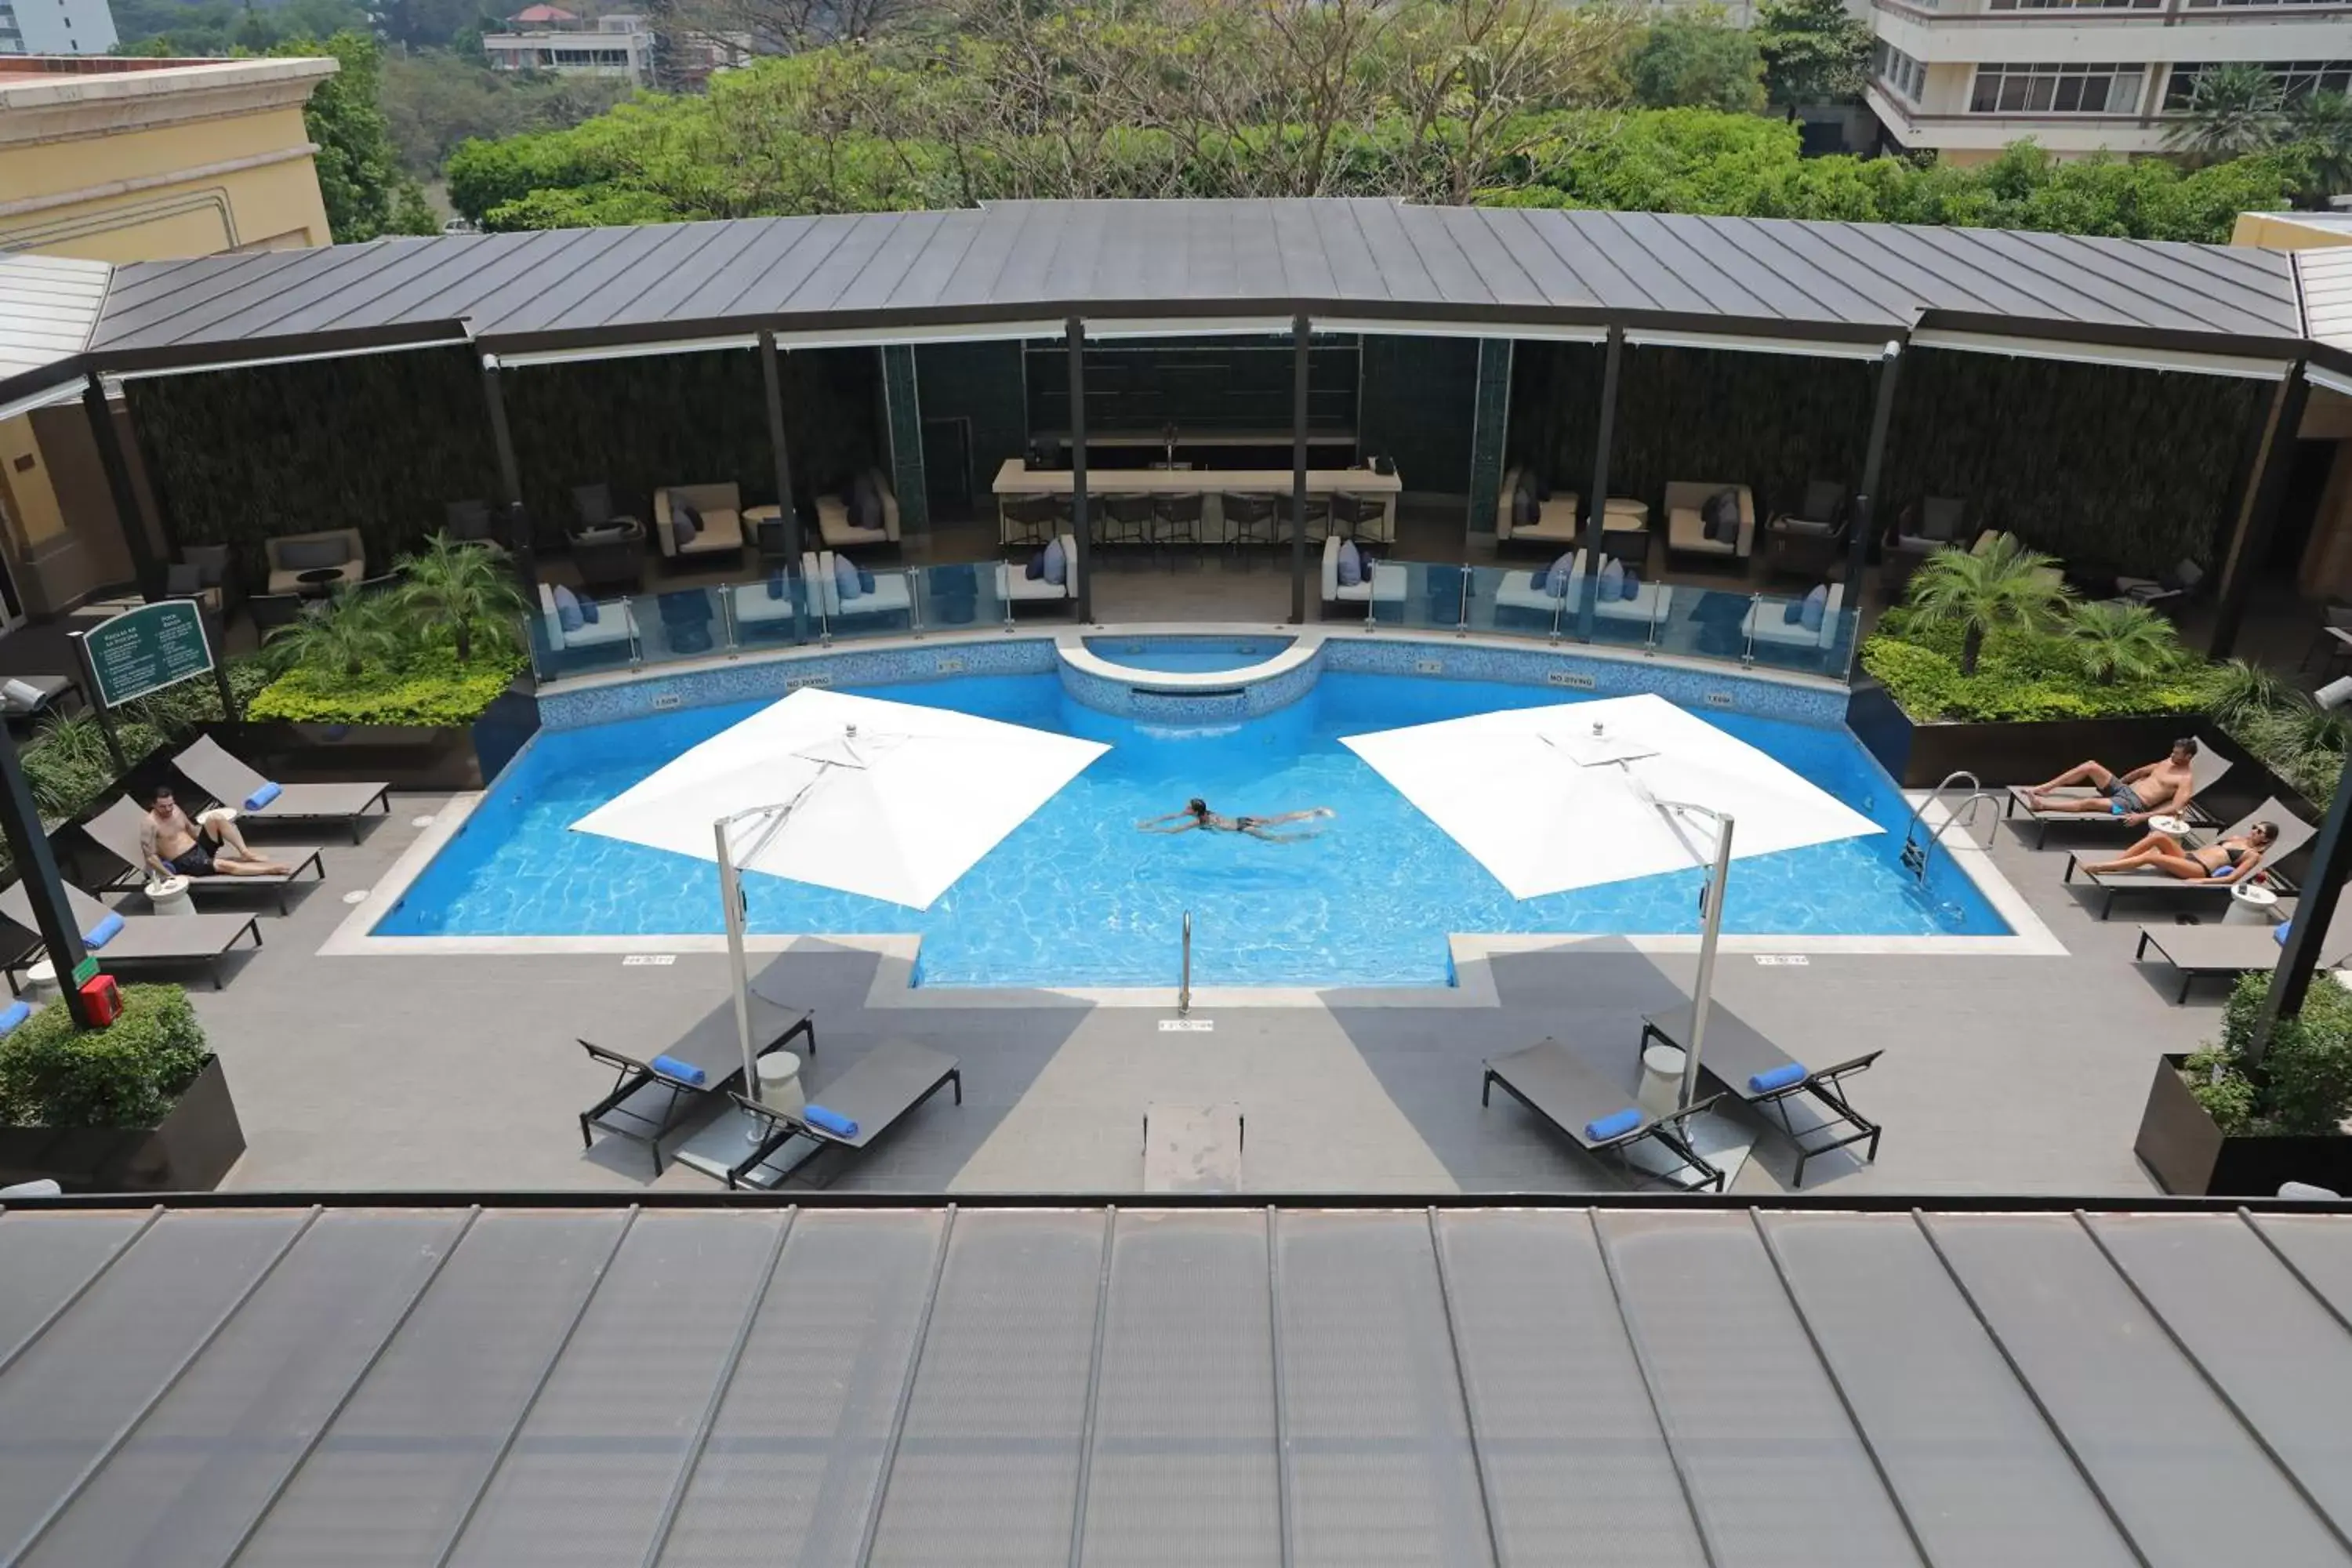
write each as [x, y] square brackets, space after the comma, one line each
[1196, 814]
[2156, 790]
[2227, 860]
[174, 847]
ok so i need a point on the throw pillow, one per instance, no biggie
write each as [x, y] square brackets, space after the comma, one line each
[1817, 606]
[567, 608]
[1524, 512]
[1794, 614]
[844, 579]
[684, 522]
[1722, 514]
[1562, 572]
[776, 583]
[1613, 580]
[312, 554]
[1633, 587]
[1035, 569]
[183, 580]
[1057, 565]
[1351, 564]
[865, 501]
[1822, 499]
[1543, 490]
[864, 582]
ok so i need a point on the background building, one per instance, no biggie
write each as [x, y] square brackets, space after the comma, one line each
[547, 39]
[67, 28]
[1966, 78]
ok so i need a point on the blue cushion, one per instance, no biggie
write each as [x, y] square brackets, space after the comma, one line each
[832, 1121]
[567, 608]
[1780, 1076]
[1794, 614]
[589, 614]
[844, 579]
[1561, 570]
[864, 582]
[684, 522]
[109, 927]
[14, 1014]
[1351, 564]
[1035, 569]
[263, 794]
[2278, 932]
[1817, 606]
[1633, 586]
[684, 1072]
[1612, 579]
[776, 583]
[1058, 564]
[1615, 1125]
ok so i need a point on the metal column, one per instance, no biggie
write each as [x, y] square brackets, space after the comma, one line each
[1863, 518]
[1613, 365]
[2259, 516]
[2314, 912]
[1074, 332]
[30, 847]
[772, 375]
[518, 521]
[1300, 329]
[127, 510]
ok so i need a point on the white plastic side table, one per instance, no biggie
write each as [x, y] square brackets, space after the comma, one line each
[2251, 904]
[169, 895]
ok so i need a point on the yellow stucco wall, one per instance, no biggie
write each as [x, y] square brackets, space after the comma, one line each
[2281, 232]
[272, 201]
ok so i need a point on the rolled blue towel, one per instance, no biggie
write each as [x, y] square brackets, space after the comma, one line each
[1615, 1125]
[1780, 1076]
[684, 1072]
[105, 931]
[831, 1122]
[14, 1014]
[263, 797]
[2278, 932]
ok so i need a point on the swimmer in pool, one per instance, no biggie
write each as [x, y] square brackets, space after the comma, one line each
[1196, 814]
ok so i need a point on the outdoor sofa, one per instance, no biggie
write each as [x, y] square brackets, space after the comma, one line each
[718, 522]
[765, 608]
[854, 1110]
[229, 781]
[337, 550]
[1384, 584]
[137, 941]
[1767, 627]
[1523, 512]
[1762, 1075]
[1687, 503]
[888, 601]
[1580, 1104]
[614, 631]
[658, 1084]
[1014, 586]
[1525, 595]
[2293, 833]
[115, 831]
[2204, 768]
[863, 512]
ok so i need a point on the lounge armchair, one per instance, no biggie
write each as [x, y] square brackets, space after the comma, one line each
[889, 597]
[1807, 541]
[1919, 532]
[613, 632]
[115, 831]
[205, 573]
[2170, 594]
[1760, 1074]
[1686, 520]
[2205, 767]
[864, 513]
[2293, 833]
[1767, 627]
[1385, 586]
[1014, 586]
[718, 530]
[2228, 951]
[144, 941]
[1584, 1107]
[888, 1083]
[650, 1096]
[1533, 518]
[230, 782]
[337, 549]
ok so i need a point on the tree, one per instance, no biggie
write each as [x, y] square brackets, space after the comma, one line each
[2319, 128]
[359, 174]
[2233, 110]
[2004, 587]
[345, 636]
[2120, 641]
[462, 588]
[1815, 51]
[1696, 59]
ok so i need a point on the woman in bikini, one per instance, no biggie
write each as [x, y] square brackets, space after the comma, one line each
[1197, 815]
[2226, 860]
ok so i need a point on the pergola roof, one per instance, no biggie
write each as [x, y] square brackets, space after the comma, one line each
[848, 1384]
[1012, 265]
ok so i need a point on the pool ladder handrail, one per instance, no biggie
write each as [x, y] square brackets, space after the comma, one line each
[1917, 850]
[1184, 977]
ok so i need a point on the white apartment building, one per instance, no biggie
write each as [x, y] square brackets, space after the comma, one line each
[1966, 78]
[612, 46]
[56, 27]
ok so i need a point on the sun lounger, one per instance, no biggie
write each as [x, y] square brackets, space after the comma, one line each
[2205, 767]
[1584, 1107]
[657, 1083]
[144, 941]
[850, 1112]
[1761, 1073]
[2230, 951]
[2293, 833]
[116, 830]
[231, 782]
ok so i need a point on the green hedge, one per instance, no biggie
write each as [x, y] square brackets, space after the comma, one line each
[2022, 676]
[433, 691]
[128, 1074]
[2304, 1082]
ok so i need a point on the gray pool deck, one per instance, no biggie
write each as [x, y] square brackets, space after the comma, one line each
[2013, 1074]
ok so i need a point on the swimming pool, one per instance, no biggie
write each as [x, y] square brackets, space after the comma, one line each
[1076, 896]
[1185, 654]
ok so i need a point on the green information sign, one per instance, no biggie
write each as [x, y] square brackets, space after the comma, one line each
[148, 648]
[86, 968]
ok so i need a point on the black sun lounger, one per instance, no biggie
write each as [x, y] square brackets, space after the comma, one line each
[1736, 1057]
[647, 1101]
[1575, 1099]
[888, 1083]
[232, 783]
[145, 941]
[116, 830]
[2204, 768]
[2230, 951]
[2293, 833]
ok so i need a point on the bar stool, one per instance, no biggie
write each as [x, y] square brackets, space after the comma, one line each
[1317, 518]
[1176, 519]
[1127, 522]
[1031, 519]
[1249, 521]
[1350, 514]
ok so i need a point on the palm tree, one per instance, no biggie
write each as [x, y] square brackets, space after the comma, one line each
[2119, 641]
[343, 635]
[2320, 126]
[2004, 586]
[465, 587]
[2233, 110]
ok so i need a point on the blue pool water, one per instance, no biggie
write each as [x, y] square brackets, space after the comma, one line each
[1186, 654]
[1076, 896]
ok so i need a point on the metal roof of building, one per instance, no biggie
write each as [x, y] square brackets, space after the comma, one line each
[48, 304]
[2324, 279]
[1017, 263]
[846, 1384]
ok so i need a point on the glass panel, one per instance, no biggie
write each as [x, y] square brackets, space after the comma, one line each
[1777, 640]
[1432, 597]
[760, 613]
[605, 643]
[1506, 600]
[959, 597]
[684, 623]
[1986, 96]
[2012, 93]
[2038, 95]
[1707, 623]
[2070, 94]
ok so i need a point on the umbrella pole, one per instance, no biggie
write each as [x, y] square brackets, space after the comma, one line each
[730, 894]
[1710, 929]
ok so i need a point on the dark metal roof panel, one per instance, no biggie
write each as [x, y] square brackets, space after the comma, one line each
[44, 1260]
[2320, 1253]
[2187, 1478]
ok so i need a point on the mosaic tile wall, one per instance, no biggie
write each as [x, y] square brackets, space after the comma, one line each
[1249, 701]
[1701, 689]
[750, 680]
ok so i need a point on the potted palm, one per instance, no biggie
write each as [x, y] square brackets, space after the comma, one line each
[2220, 1124]
[2000, 586]
[462, 589]
[139, 1106]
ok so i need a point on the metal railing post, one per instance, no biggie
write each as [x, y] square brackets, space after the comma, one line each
[1185, 979]
[1462, 615]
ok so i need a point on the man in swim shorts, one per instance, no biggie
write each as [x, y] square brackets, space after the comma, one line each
[173, 847]
[2159, 789]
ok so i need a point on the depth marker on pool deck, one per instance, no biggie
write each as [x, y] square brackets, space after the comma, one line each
[1797, 960]
[1187, 1025]
[659, 959]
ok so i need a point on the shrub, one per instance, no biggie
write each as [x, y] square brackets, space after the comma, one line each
[2022, 676]
[2303, 1082]
[432, 689]
[52, 1075]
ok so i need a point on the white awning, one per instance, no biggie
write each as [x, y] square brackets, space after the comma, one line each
[1547, 804]
[887, 799]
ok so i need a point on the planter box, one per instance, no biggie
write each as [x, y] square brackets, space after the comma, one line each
[452, 757]
[188, 1151]
[2191, 1157]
